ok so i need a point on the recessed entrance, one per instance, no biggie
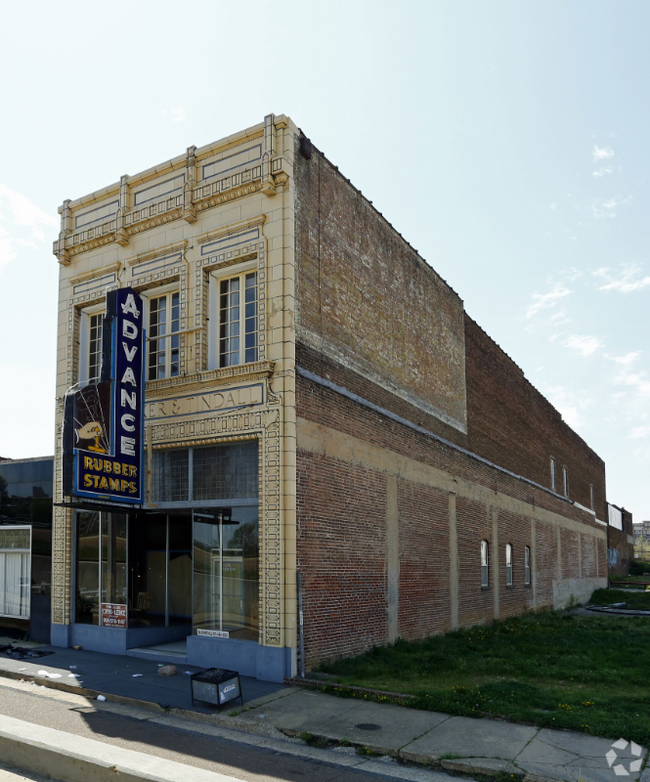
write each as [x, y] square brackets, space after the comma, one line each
[160, 571]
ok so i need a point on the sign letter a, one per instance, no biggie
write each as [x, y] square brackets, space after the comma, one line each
[130, 306]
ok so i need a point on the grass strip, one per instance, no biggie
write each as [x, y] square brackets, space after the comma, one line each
[633, 600]
[553, 669]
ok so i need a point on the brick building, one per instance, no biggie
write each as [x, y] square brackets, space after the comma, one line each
[317, 403]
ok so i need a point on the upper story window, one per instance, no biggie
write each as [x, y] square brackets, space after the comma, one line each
[552, 473]
[565, 481]
[234, 320]
[591, 497]
[508, 564]
[526, 565]
[91, 329]
[95, 345]
[163, 352]
[238, 320]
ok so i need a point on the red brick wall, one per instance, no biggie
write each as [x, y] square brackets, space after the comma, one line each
[546, 562]
[515, 530]
[341, 543]
[474, 524]
[342, 539]
[372, 317]
[424, 560]
[510, 423]
[367, 296]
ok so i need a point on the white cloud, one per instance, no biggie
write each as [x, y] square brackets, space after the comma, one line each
[22, 224]
[639, 381]
[559, 318]
[627, 359]
[544, 300]
[602, 153]
[628, 279]
[606, 208]
[175, 113]
[18, 441]
[603, 171]
[586, 345]
[569, 404]
[639, 432]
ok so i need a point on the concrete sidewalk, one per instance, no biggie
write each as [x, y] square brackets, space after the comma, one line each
[456, 744]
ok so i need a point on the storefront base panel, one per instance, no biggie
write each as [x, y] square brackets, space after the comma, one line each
[268, 663]
[39, 623]
[111, 640]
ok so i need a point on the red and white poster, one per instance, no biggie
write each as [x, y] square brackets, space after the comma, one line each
[114, 615]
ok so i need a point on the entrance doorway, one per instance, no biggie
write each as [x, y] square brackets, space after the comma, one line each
[160, 571]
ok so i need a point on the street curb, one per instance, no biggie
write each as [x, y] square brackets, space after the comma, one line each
[74, 758]
[461, 766]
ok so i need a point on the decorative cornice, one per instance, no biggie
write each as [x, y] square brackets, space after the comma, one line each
[113, 268]
[159, 252]
[91, 244]
[211, 377]
[231, 195]
[152, 222]
[233, 229]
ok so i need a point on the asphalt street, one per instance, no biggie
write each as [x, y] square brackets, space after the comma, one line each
[240, 756]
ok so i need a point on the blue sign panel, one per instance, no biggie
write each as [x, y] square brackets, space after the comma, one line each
[103, 434]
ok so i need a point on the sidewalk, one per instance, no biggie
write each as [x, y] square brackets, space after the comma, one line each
[455, 744]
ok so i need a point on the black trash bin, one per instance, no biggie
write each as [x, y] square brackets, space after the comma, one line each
[215, 687]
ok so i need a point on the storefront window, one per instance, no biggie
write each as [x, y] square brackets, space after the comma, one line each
[101, 569]
[219, 472]
[87, 603]
[114, 558]
[15, 549]
[226, 572]
[171, 475]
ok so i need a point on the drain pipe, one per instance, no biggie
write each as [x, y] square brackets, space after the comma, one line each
[301, 625]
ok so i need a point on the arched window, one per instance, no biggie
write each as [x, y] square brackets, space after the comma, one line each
[508, 565]
[526, 565]
[484, 564]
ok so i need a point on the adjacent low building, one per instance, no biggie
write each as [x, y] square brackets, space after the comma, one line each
[323, 423]
[26, 547]
[620, 540]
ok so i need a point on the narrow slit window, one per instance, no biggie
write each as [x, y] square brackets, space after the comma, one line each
[553, 473]
[484, 564]
[508, 564]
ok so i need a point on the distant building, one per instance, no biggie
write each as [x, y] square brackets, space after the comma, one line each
[642, 540]
[323, 421]
[26, 547]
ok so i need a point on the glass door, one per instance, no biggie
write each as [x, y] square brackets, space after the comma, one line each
[226, 572]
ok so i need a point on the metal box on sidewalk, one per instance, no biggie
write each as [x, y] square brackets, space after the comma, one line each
[215, 686]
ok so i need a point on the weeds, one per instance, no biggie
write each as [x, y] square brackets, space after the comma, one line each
[555, 669]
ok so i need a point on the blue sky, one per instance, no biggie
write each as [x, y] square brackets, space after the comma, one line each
[506, 140]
